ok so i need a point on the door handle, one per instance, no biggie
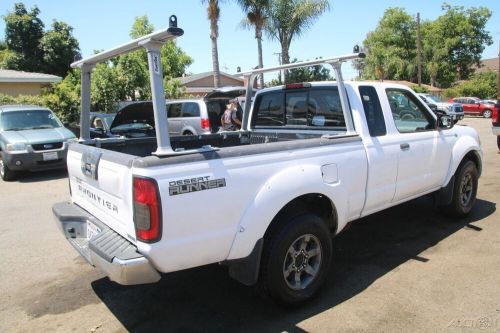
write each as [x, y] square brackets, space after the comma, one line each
[404, 146]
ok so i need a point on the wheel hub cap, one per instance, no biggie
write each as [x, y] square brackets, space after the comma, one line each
[302, 262]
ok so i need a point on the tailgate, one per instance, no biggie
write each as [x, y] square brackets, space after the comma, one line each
[101, 183]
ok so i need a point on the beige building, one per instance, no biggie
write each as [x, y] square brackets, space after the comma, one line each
[15, 83]
[199, 85]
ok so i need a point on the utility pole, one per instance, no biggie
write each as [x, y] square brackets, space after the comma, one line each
[419, 52]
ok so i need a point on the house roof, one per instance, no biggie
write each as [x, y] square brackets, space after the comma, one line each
[488, 65]
[8, 75]
[191, 78]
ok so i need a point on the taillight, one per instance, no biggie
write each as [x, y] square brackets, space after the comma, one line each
[205, 124]
[147, 210]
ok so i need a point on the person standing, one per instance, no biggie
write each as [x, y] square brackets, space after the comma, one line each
[229, 119]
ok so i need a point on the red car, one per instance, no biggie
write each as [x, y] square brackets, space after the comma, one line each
[474, 106]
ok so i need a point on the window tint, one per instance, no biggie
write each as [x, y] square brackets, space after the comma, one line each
[373, 111]
[408, 112]
[174, 110]
[190, 109]
[270, 110]
[314, 108]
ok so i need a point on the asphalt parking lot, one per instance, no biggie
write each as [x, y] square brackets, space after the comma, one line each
[405, 269]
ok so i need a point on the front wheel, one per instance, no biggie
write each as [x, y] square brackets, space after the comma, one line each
[487, 113]
[464, 191]
[6, 173]
[296, 259]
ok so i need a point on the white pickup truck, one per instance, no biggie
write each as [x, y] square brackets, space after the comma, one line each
[265, 200]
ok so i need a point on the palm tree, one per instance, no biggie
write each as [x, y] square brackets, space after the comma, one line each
[256, 15]
[213, 12]
[289, 18]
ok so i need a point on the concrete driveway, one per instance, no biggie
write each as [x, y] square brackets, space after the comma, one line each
[404, 269]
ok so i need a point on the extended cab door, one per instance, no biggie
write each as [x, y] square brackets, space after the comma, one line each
[424, 150]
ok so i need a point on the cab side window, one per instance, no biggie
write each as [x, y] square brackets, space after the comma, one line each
[408, 112]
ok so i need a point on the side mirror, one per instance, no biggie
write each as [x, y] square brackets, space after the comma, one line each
[445, 122]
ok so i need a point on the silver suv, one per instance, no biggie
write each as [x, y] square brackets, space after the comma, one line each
[185, 116]
[31, 138]
[454, 110]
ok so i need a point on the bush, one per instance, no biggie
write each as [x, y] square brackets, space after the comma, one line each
[482, 85]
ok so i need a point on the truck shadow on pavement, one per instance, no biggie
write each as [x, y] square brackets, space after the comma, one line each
[207, 299]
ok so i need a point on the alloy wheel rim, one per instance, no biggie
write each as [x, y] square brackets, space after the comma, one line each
[487, 114]
[2, 171]
[466, 190]
[302, 262]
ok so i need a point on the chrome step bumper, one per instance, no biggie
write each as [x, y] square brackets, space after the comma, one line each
[108, 251]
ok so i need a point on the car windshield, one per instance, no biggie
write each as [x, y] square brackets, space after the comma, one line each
[28, 120]
[108, 119]
[433, 98]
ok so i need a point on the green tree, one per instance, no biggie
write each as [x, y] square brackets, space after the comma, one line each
[290, 18]
[23, 33]
[391, 47]
[213, 13]
[256, 16]
[60, 48]
[454, 42]
[309, 74]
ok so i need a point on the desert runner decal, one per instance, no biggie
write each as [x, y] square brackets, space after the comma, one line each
[189, 185]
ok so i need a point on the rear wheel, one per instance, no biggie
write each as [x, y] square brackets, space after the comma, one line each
[6, 173]
[187, 133]
[487, 113]
[464, 190]
[296, 259]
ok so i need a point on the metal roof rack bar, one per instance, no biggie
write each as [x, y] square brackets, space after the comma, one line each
[322, 61]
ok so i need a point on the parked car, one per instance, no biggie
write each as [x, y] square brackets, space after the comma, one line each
[454, 110]
[100, 123]
[31, 138]
[473, 106]
[185, 116]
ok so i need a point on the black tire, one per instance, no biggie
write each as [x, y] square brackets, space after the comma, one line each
[464, 190]
[487, 113]
[295, 259]
[6, 173]
[187, 133]
[498, 142]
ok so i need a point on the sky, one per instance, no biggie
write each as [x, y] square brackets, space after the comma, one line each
[103, 24]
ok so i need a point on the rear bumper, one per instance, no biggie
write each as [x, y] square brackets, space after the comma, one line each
[107, 250]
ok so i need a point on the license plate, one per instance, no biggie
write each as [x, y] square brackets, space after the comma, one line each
[50, 156]
[92, 230]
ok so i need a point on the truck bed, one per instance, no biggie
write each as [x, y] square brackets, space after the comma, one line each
[143, 147]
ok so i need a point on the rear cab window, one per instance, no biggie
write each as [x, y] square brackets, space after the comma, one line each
[309, 108]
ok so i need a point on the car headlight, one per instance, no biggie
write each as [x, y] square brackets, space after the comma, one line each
[16, 147]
